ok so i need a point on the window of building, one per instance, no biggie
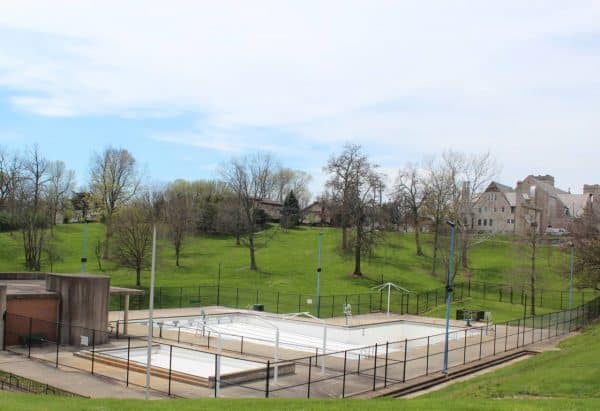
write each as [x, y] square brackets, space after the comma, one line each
[508, 221]
[479, 210]
[485, 221]
[491, 222]
[502, 209]
[513, 209]
[479, 222]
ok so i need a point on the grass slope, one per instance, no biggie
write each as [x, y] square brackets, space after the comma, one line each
[287, 261]
[572, 372]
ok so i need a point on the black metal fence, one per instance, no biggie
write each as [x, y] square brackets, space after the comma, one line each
[13, 382]
[327, 306]
[295, 370]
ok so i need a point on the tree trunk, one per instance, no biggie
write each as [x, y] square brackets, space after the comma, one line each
[464, 248]
[251, 248]
[176, 256]
[357, 249]
[344, 237]
[138, 281]
[418, 238]
[107, 236]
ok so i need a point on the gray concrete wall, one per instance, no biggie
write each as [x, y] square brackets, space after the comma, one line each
[84, 306]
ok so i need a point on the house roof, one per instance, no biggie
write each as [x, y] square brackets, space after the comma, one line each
[511, 197]
[574, 202]
[501, 187]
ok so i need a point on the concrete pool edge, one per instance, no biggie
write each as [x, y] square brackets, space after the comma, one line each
[101, 356]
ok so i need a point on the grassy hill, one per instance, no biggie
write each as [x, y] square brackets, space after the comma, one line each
[287, 261]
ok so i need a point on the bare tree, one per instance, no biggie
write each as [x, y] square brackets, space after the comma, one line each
[364, 210]
[133, 236]
[60, 184]
[412, 186]
[178, 214]
[250, 178]
[586, 240]
[286, 180]
[341, 183]
[32, 215]
[114, 181]
[440, 182]
[472, 173]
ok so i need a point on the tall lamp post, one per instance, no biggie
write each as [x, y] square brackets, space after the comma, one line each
[449, 294]
[319, 244]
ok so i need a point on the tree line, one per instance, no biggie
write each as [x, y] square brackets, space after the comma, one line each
[359, 199]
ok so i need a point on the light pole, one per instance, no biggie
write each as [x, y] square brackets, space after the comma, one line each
[319, 244]
[449, 294]
[150, 314]
[571, 280]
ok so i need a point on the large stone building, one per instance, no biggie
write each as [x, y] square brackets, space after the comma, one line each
[535, 202]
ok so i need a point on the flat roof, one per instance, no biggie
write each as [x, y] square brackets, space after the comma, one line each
[26, 287]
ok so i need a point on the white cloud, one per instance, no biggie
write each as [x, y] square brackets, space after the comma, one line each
[472, 75]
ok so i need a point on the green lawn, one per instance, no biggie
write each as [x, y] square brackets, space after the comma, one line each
[287, 261]
[572, 372]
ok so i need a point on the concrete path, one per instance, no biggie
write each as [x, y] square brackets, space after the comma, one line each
[71, 380]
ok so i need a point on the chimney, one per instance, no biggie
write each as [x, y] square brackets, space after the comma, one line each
[546, 179]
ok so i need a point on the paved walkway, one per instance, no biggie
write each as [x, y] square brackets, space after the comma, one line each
[71, 380]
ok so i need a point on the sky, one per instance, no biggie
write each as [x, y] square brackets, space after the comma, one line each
[187, 85]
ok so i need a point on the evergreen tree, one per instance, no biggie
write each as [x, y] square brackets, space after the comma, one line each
[290, 213]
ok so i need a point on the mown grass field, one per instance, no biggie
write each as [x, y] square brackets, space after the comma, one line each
[287, 261]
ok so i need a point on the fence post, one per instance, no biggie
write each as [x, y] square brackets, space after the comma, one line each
[518, 331]
[375, 368]
[436, 297]
[370, 303]
[484, 290]
[495, 335]
[128, 351]
[465, 348]
[561, 300]
[469, 292]
[333, 306]
[93, 349]
[417, 309]
[404, 368]
[344, 377]
[170, 365]
[511, 294]
[387, 344]
[480, 341]
[300, 301]
[57, 343]
[181, 297]
[462, 290]
[257, 296]
[267, 380]
[219, 294]
[427, 358]
[309, 372]
[29, 338]
[277, 305]
[237, 297]
[407, 303]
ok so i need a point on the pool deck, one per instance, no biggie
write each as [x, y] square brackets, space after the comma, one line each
[356, 320]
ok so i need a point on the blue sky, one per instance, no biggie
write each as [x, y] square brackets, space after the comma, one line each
[187, 86]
